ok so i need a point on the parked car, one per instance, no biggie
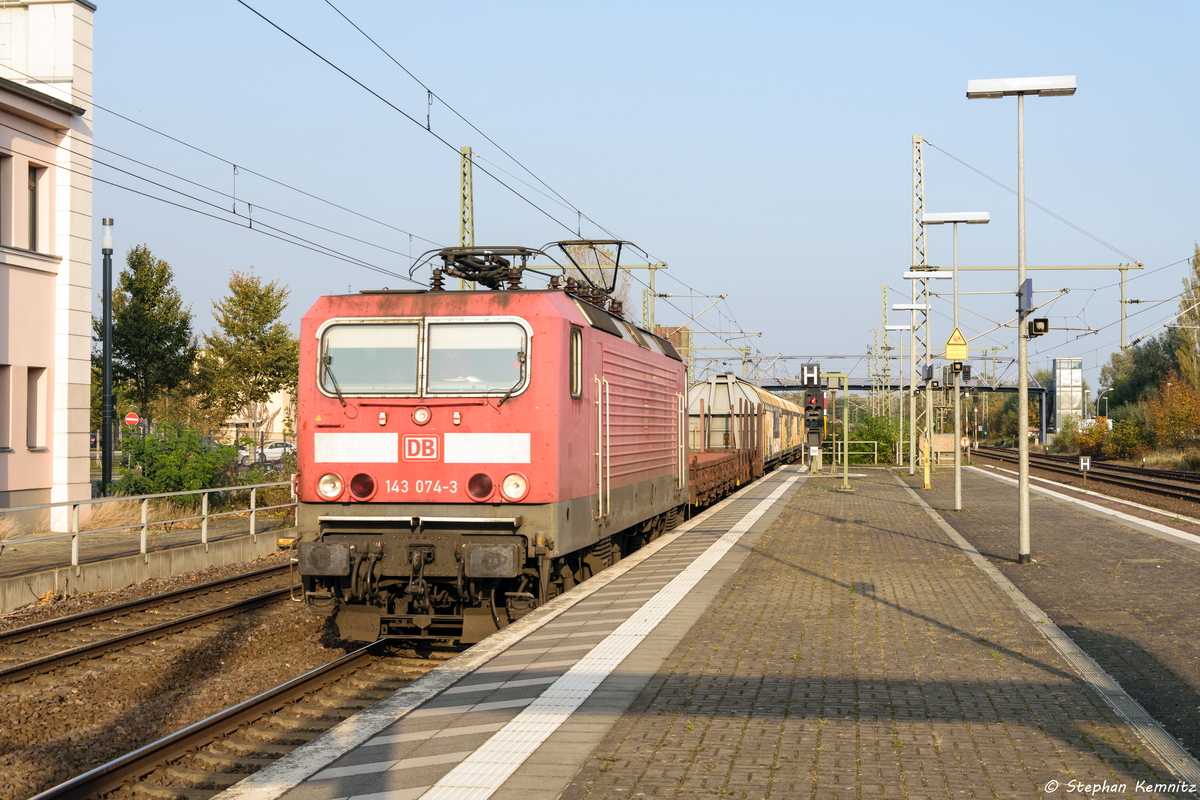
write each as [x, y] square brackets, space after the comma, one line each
[272, 453]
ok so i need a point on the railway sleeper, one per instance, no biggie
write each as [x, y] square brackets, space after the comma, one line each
[247, 747]
[158, 792]
[330, 706]
[289, 724]
[202, 779]
[340, 691]
[229, 763]
[293, 737]
[380, 684]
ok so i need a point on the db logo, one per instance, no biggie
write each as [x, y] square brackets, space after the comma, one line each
[420, 448]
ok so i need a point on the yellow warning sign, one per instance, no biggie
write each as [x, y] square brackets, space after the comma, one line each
[956, 346]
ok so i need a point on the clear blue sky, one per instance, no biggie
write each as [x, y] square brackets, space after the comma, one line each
[763, 150]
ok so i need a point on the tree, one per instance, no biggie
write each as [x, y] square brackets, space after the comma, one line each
[252, 354]
[1187, 352]
[1173, 413]
[1135, 373]
[152, 345]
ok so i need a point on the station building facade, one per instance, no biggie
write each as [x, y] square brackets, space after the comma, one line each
[45, 251]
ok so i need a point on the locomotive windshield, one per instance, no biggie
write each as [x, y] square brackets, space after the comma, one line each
[458, 358]
[370, 359]
[475, 357]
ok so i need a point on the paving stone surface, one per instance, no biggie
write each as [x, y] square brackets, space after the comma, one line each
[1130, 599]
[859, 653]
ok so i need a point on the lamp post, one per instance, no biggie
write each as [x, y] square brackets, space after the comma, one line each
[910, 327]
[106, 400]
[921, 275]
[1105, 399]
[969, 218]
[912, 308]
[1062, 85]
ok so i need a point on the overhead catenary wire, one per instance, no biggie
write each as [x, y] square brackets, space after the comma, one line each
[240, 221]
[1038, 206]
[435, 96]
[321, 248]
[400, 111]
[240, 167]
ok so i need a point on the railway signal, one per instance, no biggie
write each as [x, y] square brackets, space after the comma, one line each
[814, 409]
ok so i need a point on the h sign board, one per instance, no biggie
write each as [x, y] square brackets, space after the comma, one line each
[810, 375]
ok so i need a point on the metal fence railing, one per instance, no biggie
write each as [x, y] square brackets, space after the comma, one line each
[837, 449]
[73, 506]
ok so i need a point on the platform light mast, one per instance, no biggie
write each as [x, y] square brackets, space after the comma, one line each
[920, 301]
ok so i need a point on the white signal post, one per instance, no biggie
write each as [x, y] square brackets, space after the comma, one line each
[957, 341]
[1062, 85]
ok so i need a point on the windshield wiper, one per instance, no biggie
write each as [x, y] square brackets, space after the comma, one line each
[327, 361]
[520, 379]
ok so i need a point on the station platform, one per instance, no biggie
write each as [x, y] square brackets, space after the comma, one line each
[797, 640]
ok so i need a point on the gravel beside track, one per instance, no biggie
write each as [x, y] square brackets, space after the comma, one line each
[49, 733]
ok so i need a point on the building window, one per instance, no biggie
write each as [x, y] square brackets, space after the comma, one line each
[6, 195]
[35, 409]
[5, 407]
[35, 174]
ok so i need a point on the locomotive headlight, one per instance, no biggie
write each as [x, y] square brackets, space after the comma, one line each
[421, 415]
[330, 486]
[515, 486]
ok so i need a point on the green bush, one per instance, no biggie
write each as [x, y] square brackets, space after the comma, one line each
[1064, 440]
[885, 430]
[174, 459]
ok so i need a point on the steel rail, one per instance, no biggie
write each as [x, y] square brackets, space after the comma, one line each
[1108, 475]
[142, 761]
[84, 652]
[112, 612]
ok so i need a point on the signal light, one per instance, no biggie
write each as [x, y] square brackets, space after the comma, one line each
[480, 486]
[362, 486]
[1038, 326]
[956, 367]
[814, 409]
[966, 372]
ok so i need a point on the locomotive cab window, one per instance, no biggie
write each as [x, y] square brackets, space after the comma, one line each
[369, 359]
[476, 357]
[576, 377]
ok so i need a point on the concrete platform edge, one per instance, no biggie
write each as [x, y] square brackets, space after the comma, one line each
[120, 572]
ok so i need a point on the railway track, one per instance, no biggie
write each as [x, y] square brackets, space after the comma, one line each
[208, 757]
[1165, 483]
[55, 644]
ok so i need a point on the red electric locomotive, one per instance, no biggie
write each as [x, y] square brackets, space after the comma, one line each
[464, 456]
